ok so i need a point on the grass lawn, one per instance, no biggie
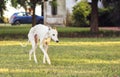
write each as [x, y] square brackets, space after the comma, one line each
[78, 57]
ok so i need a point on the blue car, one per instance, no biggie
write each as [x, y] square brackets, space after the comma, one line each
[24, 18]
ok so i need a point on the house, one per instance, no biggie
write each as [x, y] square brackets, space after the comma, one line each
[55, 14]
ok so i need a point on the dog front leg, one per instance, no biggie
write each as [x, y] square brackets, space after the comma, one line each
[46, 49]
[45, 54]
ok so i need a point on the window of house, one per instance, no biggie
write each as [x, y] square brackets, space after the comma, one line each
[54, 7]
[75, 0]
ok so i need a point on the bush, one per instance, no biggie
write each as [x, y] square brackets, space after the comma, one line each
[110, 15]
[20, 32]
[105, 18]
[80, 13]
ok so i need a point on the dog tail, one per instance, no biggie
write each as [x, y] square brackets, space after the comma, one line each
[24, 45]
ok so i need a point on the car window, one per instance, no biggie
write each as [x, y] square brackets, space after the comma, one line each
[28, 14]
[21, 14]
[24, 14]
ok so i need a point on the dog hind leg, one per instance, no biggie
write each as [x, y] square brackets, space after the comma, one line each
[30, 53]
[34, 46]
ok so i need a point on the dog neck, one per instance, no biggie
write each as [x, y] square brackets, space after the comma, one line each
[48, 33]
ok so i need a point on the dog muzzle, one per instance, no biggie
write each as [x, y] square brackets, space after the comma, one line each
[57, 41]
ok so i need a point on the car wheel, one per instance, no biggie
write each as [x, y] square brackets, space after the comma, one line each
[17, 22]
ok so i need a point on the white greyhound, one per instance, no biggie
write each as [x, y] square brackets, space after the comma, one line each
[44, 34]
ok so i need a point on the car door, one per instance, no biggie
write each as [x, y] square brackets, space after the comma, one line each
[29, 17]
[26, 18]
[22, 17]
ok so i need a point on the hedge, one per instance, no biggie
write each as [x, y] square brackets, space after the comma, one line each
[20, 32]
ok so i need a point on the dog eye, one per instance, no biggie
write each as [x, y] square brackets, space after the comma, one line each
[53, 34]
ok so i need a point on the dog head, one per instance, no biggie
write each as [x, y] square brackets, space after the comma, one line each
[54, 35]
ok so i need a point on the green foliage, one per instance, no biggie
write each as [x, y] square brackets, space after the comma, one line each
[17, 32]
[80, 12]
[54, 3]
[2, 4]
[22, 3]
[2, 7]
[116, 13]
[105, 18]
[7, 32]
[114, 5]
[14, 3]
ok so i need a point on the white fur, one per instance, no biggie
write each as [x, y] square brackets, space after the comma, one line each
[41, 32]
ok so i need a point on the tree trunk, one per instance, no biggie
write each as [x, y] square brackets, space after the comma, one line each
[94, 17]
[1, 12]
[42, 7]
[33, 16]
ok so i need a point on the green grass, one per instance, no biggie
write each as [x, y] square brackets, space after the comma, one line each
[78, 57]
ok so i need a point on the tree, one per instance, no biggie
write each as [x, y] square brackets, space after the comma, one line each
[2, 7]
[25, 3]
[22, 3]
[114, 6]
[33, 4]
[94, 16]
